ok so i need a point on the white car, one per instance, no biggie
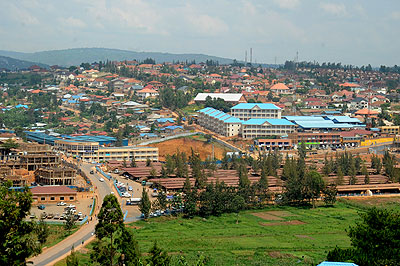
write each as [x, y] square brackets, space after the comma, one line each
[130, 188]
[101, 179]
[61, 204]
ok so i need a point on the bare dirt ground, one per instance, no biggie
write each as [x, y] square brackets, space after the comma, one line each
[294, 222]
[186, 145]
[273, 215]
[267, 216]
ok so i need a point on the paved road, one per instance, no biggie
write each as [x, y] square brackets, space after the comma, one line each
[85, 233]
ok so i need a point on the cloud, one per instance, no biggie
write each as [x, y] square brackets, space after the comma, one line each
[334, 9]
[395, 15]
[207, 25]
[73, 22]
[287, 4]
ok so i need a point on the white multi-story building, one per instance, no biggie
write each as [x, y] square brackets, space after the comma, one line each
[246, 111]
[219, 122]
[256, 128]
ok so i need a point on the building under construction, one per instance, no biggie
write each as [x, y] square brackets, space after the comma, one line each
[55, 176]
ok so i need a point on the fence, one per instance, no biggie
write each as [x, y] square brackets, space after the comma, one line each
[93, 207]
[104, 174]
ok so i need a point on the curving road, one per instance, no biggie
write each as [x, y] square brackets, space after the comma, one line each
[64, 247]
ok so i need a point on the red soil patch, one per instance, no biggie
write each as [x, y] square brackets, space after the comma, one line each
[186, 145]
[303, 236]
[279, 255]
[282, 213]
[294, 222]
[267, 216]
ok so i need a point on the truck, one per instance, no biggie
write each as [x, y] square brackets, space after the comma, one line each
[133, 201]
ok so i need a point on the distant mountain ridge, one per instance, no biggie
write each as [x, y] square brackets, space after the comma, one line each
[76, 56]
[17, 64]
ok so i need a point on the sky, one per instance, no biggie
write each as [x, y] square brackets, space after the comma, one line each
[357, 32]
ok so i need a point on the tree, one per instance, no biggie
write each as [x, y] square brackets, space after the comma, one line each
[238, 204]
[339, 176]
[374, 239]
[148, 162]
[133, 162]
[108, 231]
[17, 236]
[314, 184]
[145, 204]
[7, 146]
[72, 259]
[330, 193]
[124, 163]
[42, 230]
[364, 171]
[128, 248]
[153, 172]
[69, 221]
[158, 257]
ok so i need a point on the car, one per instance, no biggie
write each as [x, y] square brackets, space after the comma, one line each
[101, 179]
[130, 188]
[50, 216]
[56, 216]
[61, 203]
[32, 216]
[92, 172]
[80, 213]
[41, 207]
[71, 206]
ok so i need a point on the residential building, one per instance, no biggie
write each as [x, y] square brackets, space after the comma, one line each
[234, 98]
[358, 103]
[281, 88]
[219, 122]
[246, 111]
[256, 128]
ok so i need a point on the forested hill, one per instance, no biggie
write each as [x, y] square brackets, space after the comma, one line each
[17, 64]
[77, 56]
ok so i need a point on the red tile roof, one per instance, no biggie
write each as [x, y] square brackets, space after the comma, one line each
[52, 190]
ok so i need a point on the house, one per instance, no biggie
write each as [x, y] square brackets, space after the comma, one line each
[358, 103]
[281, 88]
[234, 98]
[146, 93]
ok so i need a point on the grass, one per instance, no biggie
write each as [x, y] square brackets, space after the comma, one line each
[192, 109]
[250, 243]
[57, 234]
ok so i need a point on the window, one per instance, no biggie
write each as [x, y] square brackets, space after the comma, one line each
[61, 198]
[52, 198]
[71, 198]
[43, 198]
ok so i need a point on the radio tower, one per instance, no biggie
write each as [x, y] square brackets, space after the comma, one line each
[245, 57]
[251, 55]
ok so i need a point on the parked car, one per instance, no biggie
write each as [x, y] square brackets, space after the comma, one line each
[61, 203]
[101, 179]
[130, 188]
[91, 172]
[41, 207]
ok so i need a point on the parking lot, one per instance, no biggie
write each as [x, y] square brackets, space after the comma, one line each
[54, 212]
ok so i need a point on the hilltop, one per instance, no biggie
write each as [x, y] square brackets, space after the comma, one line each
[76, 56]
[17, 64]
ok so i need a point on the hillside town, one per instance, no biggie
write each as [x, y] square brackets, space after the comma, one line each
[164, 127]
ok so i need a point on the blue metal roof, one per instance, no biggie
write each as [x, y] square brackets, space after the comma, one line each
[279, 122]
[328, 124]
[226, 118]
[164, 120]
[332, 263]
[304, 118]
[345, 119]
[265, 106]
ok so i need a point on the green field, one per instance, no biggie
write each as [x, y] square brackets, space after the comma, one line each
[57, 233]
[251, 242]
